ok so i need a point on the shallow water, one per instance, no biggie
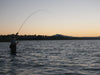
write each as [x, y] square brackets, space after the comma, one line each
[53, 57]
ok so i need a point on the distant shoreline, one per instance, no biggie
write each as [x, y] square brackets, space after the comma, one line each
[7, 38]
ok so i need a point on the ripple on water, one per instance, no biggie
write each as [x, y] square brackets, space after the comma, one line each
[53, 57]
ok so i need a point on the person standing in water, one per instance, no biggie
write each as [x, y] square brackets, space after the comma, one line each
[13, 44]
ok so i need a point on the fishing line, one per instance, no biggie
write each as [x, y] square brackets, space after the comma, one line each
[35, 12]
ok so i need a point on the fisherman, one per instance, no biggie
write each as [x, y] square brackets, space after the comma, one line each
[13, 44]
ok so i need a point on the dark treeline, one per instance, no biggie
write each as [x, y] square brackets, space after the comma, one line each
[44, 37]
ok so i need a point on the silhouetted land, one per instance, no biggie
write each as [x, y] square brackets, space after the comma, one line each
[7, 38]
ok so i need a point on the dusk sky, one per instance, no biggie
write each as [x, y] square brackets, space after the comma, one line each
[67, 17]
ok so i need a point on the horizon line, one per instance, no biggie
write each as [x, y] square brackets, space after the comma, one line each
[47, 35]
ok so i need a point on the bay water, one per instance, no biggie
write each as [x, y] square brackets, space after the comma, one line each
[51, 57]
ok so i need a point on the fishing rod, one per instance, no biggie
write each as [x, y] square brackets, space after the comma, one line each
[28, 18]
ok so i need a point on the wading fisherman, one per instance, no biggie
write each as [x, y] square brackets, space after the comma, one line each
[13, 44]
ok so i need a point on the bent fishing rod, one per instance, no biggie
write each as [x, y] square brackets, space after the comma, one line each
[35, 12]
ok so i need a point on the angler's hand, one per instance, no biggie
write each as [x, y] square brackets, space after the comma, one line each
[16, 33]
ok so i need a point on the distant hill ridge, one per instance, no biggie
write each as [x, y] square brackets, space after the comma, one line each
[60, 35]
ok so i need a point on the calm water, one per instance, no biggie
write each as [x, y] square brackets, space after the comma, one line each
[64, 57]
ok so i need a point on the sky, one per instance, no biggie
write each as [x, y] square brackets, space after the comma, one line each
[68, 17]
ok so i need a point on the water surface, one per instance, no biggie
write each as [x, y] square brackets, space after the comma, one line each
[53, 57]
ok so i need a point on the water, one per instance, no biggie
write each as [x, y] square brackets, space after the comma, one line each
[53, 57]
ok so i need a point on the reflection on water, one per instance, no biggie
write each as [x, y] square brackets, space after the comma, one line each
[53, 57]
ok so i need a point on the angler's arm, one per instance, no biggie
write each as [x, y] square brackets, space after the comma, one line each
[16, 38]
